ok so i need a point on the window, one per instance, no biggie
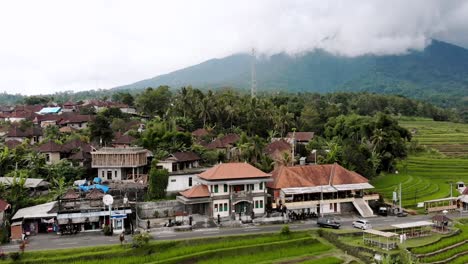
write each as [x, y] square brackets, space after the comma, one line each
[115, 174]
[256, 204]
[216, 188]
[102, 174]
[190, 182]
[211, 188]
[109, 175]
[261, 203]
[216, 207]
[47, 157]
[260, 186]
[225, 207]
[252, 187]
[331, 206]
[173, 180]
[225, 188]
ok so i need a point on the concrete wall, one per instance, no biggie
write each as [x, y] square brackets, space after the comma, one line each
[116, 173]
[147, 209]
[179, 183]
[261, 205]
[218, 208]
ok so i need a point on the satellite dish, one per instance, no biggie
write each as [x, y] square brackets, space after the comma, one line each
[108, 199]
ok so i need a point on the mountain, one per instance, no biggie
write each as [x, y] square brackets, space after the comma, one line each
[438, 74]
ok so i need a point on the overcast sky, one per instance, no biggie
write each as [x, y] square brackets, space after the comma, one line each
[49, 46]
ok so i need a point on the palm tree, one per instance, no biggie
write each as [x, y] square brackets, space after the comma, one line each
[59, 187]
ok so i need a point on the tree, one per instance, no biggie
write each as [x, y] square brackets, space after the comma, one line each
[64, 169]
[154, 101]
[123, 97]
[158, 179]
[100, 130]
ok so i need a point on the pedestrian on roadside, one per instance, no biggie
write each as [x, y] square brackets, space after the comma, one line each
[122, 238]
[148, 225]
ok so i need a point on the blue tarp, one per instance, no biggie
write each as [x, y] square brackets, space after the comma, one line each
[101, 187]
[50, 110]
[97, 180]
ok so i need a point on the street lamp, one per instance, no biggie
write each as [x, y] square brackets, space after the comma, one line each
[314, 151]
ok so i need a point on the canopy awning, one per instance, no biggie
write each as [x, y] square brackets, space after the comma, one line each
[354, 186]
[413, 224]
[315, 189]
[380, 233]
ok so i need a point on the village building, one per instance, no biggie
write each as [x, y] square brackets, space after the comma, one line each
[300, 137]
[225, 144]
[278, 151]
[12, 144]
[33, 220]
[320, 189]
[69, 107]
[50, 110]
[34, 134]
[47, 120]
[183, 168]
[228, 190]
[123, 141]
[120, 163]
[76, 121]
[51, 150]
[35, 186]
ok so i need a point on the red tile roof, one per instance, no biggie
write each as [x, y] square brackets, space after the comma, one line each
[124, 139]
[465, 191]
[50, 146]
[313, 175]
[12, 144]
[94, 194]
[301, 136]
[197, 191]
[278, 145]
[224, 142]
[184, 156]
[75, 118]
[71, 194]
[233, 171]
[16, 131]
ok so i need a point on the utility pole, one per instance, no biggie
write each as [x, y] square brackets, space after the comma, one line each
[253, 76]
[399, 200]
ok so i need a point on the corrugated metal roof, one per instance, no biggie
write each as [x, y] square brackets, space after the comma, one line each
[413, 224]
[50, 110]
[30, 182]
[37, 211]
[380, 233]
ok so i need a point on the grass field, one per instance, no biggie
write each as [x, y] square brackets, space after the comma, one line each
[297, 247]
[428, 175]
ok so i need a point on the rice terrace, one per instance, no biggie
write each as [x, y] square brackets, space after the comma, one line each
[428, 173]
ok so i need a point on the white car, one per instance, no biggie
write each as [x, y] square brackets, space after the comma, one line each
[362, 224]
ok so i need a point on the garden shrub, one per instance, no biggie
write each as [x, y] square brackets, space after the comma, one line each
[107, 230]
[285, 230]
[15, 256]
[140, 240]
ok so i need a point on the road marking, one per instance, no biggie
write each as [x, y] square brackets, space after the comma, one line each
[70, 243]
[388, 220]
[251, 229]
[209, 233]
[166, 236]
[294, 226]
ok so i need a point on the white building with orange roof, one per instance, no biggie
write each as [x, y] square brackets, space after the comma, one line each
[227, 189]
[321, 189]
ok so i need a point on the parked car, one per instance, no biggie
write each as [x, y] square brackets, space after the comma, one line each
[362, 224]
[328, 222]
[402, 214]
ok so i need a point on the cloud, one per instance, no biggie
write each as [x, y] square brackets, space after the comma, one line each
[48, 46]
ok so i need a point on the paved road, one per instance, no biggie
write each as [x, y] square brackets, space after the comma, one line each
[52, 241]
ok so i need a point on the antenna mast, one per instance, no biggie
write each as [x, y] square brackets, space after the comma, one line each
[253, 88]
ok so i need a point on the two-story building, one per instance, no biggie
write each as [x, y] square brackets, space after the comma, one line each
[119, 163]
[183, 168]
[320, 189]
[227, 190]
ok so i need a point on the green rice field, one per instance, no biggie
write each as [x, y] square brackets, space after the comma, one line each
[429, 175]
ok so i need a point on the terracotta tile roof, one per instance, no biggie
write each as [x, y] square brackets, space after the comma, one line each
[441, 218]
[76, 144]
[15, 131]
[184, 156]
[4, 205]
[71, 194]
[50, 146]
[124, 139]
[224, 142]
[75, 118]
[313, 175]
[301, 136]
[80, 155]
[227, 171]
[465, 191]
[278, 145]
[94, 194]
[12, 144]
[197, 191]
[200, 132]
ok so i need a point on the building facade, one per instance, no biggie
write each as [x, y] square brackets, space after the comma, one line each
[228, 190]
[119, 163]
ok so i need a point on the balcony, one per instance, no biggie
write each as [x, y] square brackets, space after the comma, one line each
[313, 203]
[241, 196]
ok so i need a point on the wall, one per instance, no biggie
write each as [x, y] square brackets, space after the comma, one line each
[179, 183]
[221, 211]
[116, 173]
[147, 209]
[261, 206]
[54, 157]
